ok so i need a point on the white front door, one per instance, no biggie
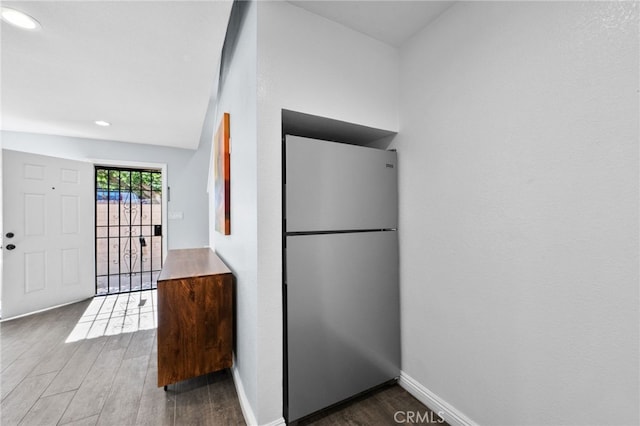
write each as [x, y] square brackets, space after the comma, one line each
[49, 208]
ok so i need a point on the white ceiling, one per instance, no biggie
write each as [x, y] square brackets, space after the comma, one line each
[148, 67]
[391, 21]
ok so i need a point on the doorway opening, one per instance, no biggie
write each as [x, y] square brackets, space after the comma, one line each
[128, 229]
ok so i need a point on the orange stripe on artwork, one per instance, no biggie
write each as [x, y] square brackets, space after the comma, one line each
[222, 176]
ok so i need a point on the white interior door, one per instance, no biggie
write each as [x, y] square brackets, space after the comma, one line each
[48, 207]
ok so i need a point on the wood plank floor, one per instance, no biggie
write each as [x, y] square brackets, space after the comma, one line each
[56, 369]
[389, 405]
[108, 379]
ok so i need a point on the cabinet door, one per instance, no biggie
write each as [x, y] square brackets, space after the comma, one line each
[194, 327]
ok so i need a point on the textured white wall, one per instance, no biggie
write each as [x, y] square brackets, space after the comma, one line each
[1, 225]
[308, 64]
[313, 65]
[186, 174]
[518, 162]
[237, 96]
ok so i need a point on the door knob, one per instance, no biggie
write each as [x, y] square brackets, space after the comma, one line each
[10, 247]
[9, 234]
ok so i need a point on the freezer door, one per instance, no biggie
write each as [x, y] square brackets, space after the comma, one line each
[333, 186]
[343, 321]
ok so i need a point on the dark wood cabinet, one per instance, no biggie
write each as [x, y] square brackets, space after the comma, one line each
[195, 315]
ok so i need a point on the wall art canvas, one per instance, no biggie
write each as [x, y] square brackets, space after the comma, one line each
[222, 177]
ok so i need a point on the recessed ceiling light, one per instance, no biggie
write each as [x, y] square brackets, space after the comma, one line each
[19, 19]
[102, 123]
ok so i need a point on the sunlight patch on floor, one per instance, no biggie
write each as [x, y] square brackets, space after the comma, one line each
[117, 314]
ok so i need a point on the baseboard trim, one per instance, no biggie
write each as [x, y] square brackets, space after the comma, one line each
[245, 406]
[277, 422]
[45, 309]
[448, 412]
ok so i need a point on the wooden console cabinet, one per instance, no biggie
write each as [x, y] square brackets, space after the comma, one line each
[195, 315]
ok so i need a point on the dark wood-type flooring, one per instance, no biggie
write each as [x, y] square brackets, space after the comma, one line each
[111, 380]
[107, 380]
[389, 405]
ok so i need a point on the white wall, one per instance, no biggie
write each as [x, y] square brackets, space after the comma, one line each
[518, 162]
[186, 172]
[1, 228]
[305, 63]
[237, 96]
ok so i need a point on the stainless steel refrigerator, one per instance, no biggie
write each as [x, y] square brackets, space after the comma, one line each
[341, 272]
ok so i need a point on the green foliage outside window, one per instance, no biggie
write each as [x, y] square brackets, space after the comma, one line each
[146, 185]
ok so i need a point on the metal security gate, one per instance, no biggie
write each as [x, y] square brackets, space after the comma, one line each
[128, 229]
